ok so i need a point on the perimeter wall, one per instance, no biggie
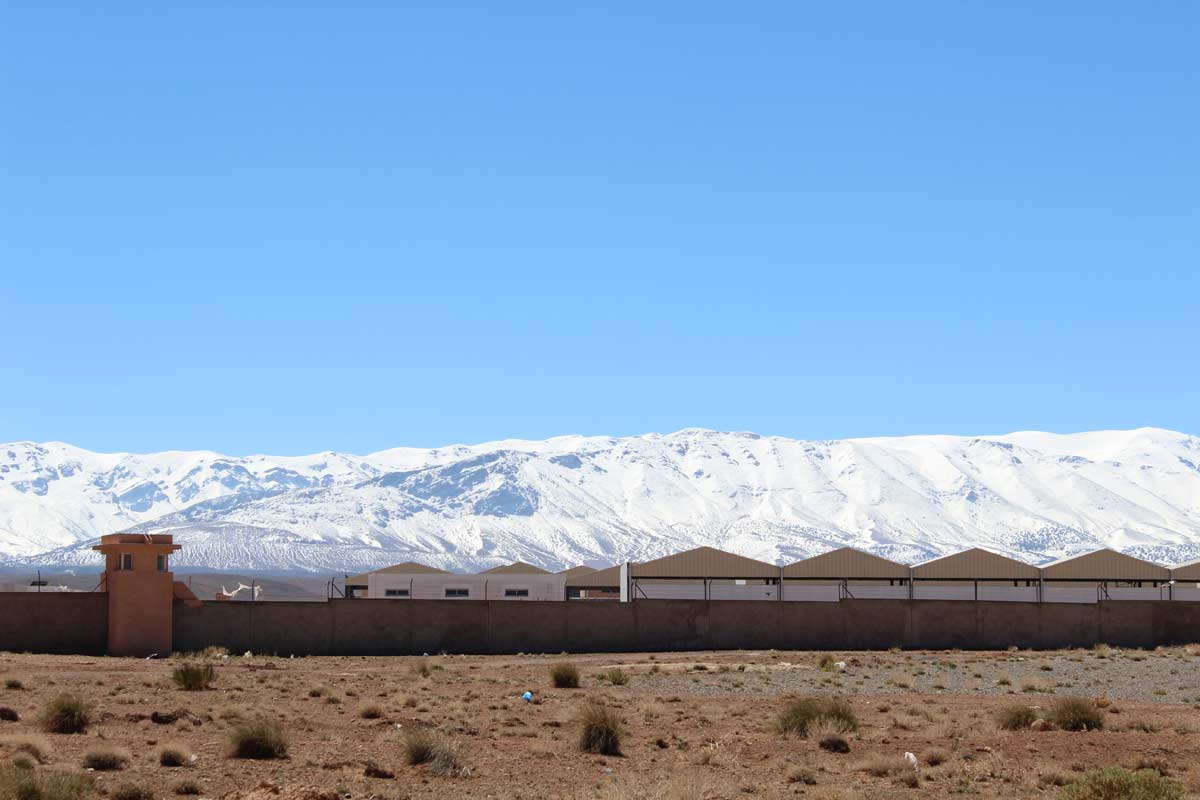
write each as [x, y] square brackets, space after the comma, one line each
[54, 622]
[408, 627]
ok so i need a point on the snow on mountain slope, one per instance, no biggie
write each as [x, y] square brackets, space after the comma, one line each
[599, 500]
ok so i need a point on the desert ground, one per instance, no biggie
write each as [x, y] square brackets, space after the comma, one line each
[693, 725]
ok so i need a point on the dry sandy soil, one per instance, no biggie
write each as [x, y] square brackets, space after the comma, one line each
[696, 724]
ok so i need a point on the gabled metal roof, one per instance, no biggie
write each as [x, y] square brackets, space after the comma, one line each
[582, 569]
[975, 564]
[407, 568]
[846, 562]
[1187, 571]
[1105, 565]
[704, 562]
[609, 577]
[516, 568]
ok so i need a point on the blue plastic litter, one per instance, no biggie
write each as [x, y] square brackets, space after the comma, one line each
[527, 697]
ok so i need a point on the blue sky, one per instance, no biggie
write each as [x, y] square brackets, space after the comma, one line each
[294, 227]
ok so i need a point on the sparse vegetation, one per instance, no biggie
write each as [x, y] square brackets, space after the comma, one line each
[600, 730]
[106, 759]
[131, 791]
[9, 714]
[564, 675]
[935, 756]
[34, 746]
[370, 711]
[1117, 783]
[1076, 714]
[13, 683]
[67, 713]
[422, 746]
[616, 676]
[174, 755]
[421, 668]
[1015, 717]
[419, 745]
[22, 783]
[187, 788]
[193, 677]
[802, 713]
[881, 765]
[260, 738]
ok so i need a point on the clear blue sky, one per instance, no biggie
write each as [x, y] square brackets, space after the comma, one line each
[294, 227]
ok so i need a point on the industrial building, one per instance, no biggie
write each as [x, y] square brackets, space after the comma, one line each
[845, 573]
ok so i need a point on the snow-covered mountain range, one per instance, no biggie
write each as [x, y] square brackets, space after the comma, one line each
[601, 500]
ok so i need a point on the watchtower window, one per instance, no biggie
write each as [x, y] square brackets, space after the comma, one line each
[125, 563]
[162, 563]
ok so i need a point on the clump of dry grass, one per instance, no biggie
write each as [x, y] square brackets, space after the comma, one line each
[1117, 783]
[1015, 717]
[802, 713]
[106, 759]
[67, 713]
[419, 745]
[187, 788]
[260, 738]
[935, 756]
[23, 783]
[881, 765]
[1076, 714]
[600, 730]
[193, 677]
[421, 668]
[370, 711]
[616, 676]
[36, 747]
[174, 755]
[564, 675]
[424, 747]
[9, 714]
[131, 791]
[830, 735]
[13, 683]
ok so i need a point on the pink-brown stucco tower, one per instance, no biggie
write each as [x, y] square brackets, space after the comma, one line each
[140, 588]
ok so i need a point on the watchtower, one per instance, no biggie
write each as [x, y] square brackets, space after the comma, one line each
[140, 585]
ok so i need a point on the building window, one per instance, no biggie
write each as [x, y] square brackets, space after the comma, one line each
[516, 593]
[458, 593]
[395, 592]
[125, 563]
[162, 563]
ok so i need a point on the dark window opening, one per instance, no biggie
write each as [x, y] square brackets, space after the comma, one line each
[516, 593]
[395, 592]
[458, 593]
[162, 563]
[126, 562]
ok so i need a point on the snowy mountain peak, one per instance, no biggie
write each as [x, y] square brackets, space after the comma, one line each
[599, 500]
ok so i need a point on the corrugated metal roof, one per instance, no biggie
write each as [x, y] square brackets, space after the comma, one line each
[704, 562]
[582, 569]
[596, 579]
[846, 562]
[1105, 565]
[975, 564]
[1187, 571]
[407, 568]
[516, 568]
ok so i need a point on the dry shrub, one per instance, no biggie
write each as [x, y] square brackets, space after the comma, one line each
[1117, 783]
[105, 759]
[802, 713]
[174, 755]
[1076, 714]
[802, 775]
[260, 738]
[882, 765]
[370, 712]
[447, 762]
[616, 676]
[1015, 717]
[13, 683]
[187, 788]
[830, 735]
[193, 677]
[67, 713]
[424, 747]
[935, 756]
[21, 783]
[599, 730]
[131, 791]
[36, 747]
[564, 676]
[419, 745]
[9, 714]
[421, 668]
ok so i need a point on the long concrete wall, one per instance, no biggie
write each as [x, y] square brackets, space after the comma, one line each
[406, 627]
[54, 622]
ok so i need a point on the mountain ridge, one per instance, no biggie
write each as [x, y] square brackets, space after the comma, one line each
[600, 499]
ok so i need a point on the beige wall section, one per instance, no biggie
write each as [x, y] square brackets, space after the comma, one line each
[704, 562]
[582, 569]
[407, 568]
[1105, 565]
[846, 562]
[975, 564]
[1188, 571]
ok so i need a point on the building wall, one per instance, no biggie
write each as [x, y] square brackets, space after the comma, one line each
[54, 622]
[413, 627]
